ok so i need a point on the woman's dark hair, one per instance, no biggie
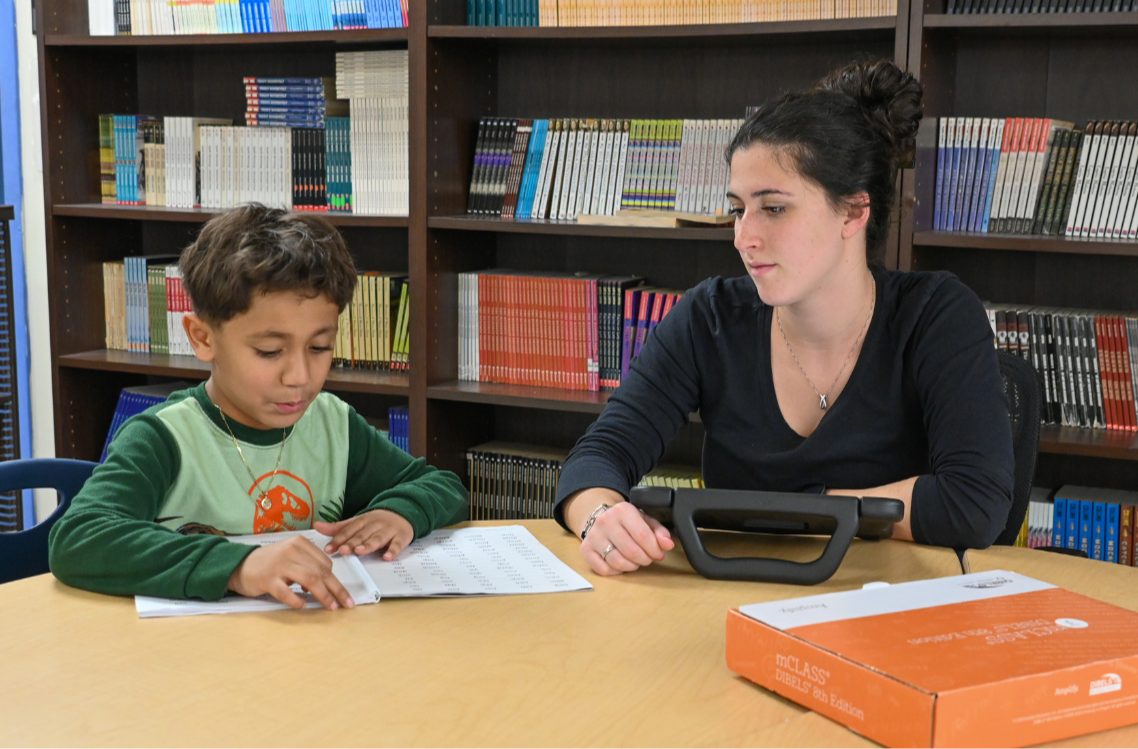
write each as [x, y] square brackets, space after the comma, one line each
[848, 134]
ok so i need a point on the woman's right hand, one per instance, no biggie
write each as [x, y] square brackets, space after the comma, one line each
[636, 540]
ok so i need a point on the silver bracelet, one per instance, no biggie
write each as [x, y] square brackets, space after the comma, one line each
[592, 519]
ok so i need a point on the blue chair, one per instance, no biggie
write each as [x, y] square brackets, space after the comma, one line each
[24, 553]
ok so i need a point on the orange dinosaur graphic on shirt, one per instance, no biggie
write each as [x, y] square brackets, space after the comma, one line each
[288, 511]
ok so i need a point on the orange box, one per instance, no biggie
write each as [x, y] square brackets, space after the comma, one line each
[988, 659]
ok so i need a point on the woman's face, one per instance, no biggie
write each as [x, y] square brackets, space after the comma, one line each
[789, 236]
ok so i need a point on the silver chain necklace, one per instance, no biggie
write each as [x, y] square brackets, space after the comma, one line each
[822, 404]
[266, 503]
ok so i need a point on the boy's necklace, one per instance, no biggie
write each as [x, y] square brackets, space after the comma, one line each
[822, 404]
[265, 503]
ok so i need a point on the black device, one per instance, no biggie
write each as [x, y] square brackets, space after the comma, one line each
[841, 518]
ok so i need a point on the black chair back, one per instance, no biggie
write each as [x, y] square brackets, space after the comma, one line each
[1021, 382]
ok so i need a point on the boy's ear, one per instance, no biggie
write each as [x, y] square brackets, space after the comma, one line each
[201, 336]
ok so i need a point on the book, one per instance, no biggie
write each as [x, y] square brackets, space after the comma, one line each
[1059, 527]
[107, 161]
[1098, 530]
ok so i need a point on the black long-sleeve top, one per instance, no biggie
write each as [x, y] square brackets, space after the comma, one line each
[924, 399]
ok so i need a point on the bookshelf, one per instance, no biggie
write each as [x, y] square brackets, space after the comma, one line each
[84, 76]
[712, 71]
[1057, 66]
[458, 74]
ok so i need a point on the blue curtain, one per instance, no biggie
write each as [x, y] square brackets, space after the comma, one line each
[12, 193]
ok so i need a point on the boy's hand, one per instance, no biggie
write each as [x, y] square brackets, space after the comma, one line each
[272, 569]
[371, 531]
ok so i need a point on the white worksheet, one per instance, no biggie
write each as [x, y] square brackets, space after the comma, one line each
[505, 560]
[498, 561]
[347, 570]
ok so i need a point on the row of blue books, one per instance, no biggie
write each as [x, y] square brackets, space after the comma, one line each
[1099, 522]
[181, 17]
[502, 12]
[135, 400]
[399, 427]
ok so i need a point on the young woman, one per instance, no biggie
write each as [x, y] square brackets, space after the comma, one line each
[820, 371]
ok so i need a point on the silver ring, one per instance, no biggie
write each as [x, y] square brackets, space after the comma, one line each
[605, 553]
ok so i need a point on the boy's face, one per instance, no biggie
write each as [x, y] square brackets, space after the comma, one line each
[270, 362]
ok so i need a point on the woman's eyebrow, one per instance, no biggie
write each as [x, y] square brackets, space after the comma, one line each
[760, 193]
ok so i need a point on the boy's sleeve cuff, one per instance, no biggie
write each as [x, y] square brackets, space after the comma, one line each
[409, 511]
[209, 580]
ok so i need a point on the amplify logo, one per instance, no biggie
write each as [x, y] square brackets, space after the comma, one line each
[992, 582]
[1108, 683]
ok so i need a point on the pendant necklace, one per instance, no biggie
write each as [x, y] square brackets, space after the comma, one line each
[265, 502]
[822, 404]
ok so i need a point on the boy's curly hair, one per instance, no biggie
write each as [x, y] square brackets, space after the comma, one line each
[253, 249]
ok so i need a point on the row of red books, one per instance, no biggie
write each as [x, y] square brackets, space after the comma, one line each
[570, 331]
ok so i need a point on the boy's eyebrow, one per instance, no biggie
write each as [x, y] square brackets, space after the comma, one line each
[282, 335]
[760, 193]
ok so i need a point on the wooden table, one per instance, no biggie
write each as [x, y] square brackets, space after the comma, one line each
[639, 661]
[1112, 583]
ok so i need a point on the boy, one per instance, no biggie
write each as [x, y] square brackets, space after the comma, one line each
[257, 448]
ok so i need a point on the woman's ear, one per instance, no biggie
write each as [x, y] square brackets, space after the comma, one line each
[856, 215]
[202, 336]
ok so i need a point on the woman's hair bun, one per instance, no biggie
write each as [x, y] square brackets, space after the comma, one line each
[890, 98]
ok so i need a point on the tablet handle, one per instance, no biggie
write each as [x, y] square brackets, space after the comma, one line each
[843, 510]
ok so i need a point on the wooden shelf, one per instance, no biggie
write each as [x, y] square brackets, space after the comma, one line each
[523, 396]
[1025, 243]
[201, 215]
[354, 36]
[881, 26]
[1036, 24]
[572, 228]
[496, 394]
[163, 365]
[1094, 443]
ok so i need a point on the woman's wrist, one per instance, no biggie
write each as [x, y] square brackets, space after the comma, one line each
[580, 506]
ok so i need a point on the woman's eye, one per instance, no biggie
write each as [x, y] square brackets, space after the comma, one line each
[267, 354]
[774, 209]
[320, 349]
[735, 211]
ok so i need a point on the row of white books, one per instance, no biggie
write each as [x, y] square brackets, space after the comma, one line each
[375, 83]
[246, 165]
[379, 161]
[566, 168]
[371, 73]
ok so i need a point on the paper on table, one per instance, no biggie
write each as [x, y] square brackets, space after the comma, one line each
[504, 560]
[347, 570]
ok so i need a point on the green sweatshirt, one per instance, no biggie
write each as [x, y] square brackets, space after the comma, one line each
[151, 519]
